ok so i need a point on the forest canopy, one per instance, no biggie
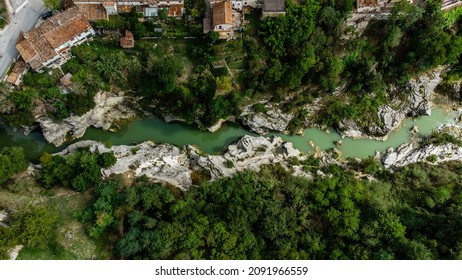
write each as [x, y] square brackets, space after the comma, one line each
[274, 215]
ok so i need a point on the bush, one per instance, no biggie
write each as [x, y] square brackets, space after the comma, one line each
[432, 158]
[12, 161]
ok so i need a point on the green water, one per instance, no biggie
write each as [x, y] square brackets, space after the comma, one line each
[181, 134]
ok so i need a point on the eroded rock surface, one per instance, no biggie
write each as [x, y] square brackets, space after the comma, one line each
[418, 93]
[168, 163]
[412, 153]
[109, 108]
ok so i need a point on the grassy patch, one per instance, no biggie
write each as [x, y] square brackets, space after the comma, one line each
[70, 240]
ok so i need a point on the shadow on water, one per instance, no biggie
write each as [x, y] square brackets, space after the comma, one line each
[181, 134]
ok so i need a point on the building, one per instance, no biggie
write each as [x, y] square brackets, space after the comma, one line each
[66, 81]
[273, 8]
[127, 41]
[49, 44]
[100, 9]
[17, 73]
[222, 18]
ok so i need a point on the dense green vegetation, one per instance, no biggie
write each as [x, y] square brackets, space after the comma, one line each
[411, 214]
[3, 14]
[408, 213]
[12, 161]
[441, 138]
[81, 170]
[32, 227]
[310, 52]
[313, 48]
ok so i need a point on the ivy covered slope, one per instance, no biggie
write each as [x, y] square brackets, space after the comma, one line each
[311, 64]
[357, 211]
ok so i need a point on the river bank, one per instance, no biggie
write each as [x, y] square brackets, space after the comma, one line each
[181, 135]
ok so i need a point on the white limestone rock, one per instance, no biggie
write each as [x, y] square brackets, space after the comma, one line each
[109, 108]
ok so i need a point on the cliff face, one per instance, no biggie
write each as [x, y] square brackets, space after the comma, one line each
[108, 109]
[412, 100]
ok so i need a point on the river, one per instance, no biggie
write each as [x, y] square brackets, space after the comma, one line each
[181, 134]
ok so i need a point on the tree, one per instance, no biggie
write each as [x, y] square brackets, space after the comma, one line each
[116, 67]
[165, 71]
[12, 161]
[80, 170]
[33, 226]
[23, 98]
[107, 160]
[223, 83]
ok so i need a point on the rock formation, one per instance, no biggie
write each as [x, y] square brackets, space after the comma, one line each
[417, 101]
[168, 163]
[108, 109]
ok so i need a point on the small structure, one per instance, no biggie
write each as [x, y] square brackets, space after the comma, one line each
[66, 80]
[127, 41]
[222, 19]
[110, 7]
[18, 71]
[150, 11]
[175, 10]
[273, 8]
[256, 4]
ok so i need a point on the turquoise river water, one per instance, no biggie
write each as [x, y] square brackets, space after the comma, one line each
[181, 134]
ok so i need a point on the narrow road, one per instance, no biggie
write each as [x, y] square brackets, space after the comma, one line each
[24, 20]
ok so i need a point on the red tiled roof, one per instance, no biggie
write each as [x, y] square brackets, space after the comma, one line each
[175, 10]
[367, 3]
[19, 68]
[38, 45]
[128, 40]
[65, 33]
[93, 12]
[222, 13]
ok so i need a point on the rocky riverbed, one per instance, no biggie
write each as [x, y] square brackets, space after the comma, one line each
[168, 163]
[261, 117]
[414, 152]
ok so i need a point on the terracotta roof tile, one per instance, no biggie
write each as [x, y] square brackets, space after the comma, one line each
[65, 33]
[175, 10]
[128, 40]
[19, 68]
[367, 3]
[38, 45]
[93, 12]
[222, 13]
